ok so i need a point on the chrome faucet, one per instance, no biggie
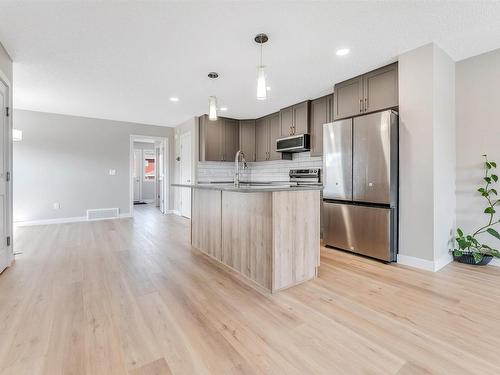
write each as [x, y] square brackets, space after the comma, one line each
[239, 155]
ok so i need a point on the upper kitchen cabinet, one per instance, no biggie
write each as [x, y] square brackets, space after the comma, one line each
[267, 131]
[261, 139]
[321, 113]
[231, 139]
[274, 134]
[348, 99]
[381, 88]
[219, 139]
[211, 139]
[295, 119]
[247, 139]
[369, 92]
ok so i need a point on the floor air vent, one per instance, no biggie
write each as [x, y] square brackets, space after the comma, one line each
[103, 213]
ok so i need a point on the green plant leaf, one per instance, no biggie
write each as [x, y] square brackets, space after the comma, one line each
[481, 190]
[494, 191]
[457, 253]
[478, 257]
[460, 232]
[485, 194]
[493, 232]
[487, 179]
[488, 165]
[489, 210]
[493, 164]
[494, 177]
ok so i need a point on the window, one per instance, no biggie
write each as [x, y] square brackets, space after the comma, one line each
[149, 165]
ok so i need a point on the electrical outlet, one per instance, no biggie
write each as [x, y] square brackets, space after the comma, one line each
[112, 172]
[56, 205]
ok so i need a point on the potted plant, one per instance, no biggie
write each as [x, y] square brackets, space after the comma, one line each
[470, 250]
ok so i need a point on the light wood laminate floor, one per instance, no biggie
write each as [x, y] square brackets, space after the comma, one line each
[131, 296]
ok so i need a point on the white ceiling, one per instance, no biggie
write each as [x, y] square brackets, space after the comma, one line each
[123, 61]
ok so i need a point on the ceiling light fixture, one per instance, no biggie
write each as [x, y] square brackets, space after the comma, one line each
[223, 109]
[174, 99]
[261, 74]
[342, 52]
[212, 100]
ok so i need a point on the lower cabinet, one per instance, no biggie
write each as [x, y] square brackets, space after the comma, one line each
[254, 233]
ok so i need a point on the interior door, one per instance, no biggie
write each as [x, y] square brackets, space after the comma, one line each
[5, 248]
[137, 175]
[185, 174]
[372, 158]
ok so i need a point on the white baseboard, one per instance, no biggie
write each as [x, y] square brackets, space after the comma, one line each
[64, 220]
[175, 212]
[425, 264]
[422, 264]
[495, 262]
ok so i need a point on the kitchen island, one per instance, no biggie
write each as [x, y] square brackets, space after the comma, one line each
[269, 234]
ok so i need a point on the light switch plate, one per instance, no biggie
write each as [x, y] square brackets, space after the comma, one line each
[112, 172]
[56, 205]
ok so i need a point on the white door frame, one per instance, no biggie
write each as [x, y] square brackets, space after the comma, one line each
[166, 169]
[9, 221]
[184, 135]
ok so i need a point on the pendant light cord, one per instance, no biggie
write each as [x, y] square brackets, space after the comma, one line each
[261, 54]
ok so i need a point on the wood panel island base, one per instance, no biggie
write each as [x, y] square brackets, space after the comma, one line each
[270, 236]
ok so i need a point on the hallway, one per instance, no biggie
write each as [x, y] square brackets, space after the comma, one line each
[130, 296]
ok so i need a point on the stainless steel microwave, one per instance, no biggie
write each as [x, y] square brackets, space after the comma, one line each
[294, 143]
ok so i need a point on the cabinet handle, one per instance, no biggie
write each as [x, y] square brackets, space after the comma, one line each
[366, 104]
[360, 105]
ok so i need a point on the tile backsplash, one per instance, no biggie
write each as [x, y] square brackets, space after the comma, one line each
[257, 171]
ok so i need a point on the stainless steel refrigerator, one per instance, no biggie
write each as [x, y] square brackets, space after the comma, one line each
[360, 177]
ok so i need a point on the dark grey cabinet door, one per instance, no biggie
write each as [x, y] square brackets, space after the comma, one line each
[301, 118]
[231, 139]
[381, 88]
[348, 100]
[211, 139]
[319, 116]
[247, 139]
[261, 139]
[274, 134]
[372, 157]
[330, 108]
[286, 121]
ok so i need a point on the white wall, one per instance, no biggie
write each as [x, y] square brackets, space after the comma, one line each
[427, 157]
[66, 159]
[478, 133]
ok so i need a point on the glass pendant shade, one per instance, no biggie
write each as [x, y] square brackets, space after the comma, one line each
[212, 108]
[261, 84]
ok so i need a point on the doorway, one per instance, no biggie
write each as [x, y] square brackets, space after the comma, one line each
[185, 174]
[6, 255]
[148, 172]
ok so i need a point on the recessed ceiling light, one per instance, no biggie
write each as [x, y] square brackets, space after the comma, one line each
[174, 99]
[223, 109]
[342, 52]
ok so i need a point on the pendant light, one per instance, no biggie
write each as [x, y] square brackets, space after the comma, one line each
[261, 74]
[212, 100]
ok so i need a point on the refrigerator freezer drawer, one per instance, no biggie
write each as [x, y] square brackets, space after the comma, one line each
[360, 229]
